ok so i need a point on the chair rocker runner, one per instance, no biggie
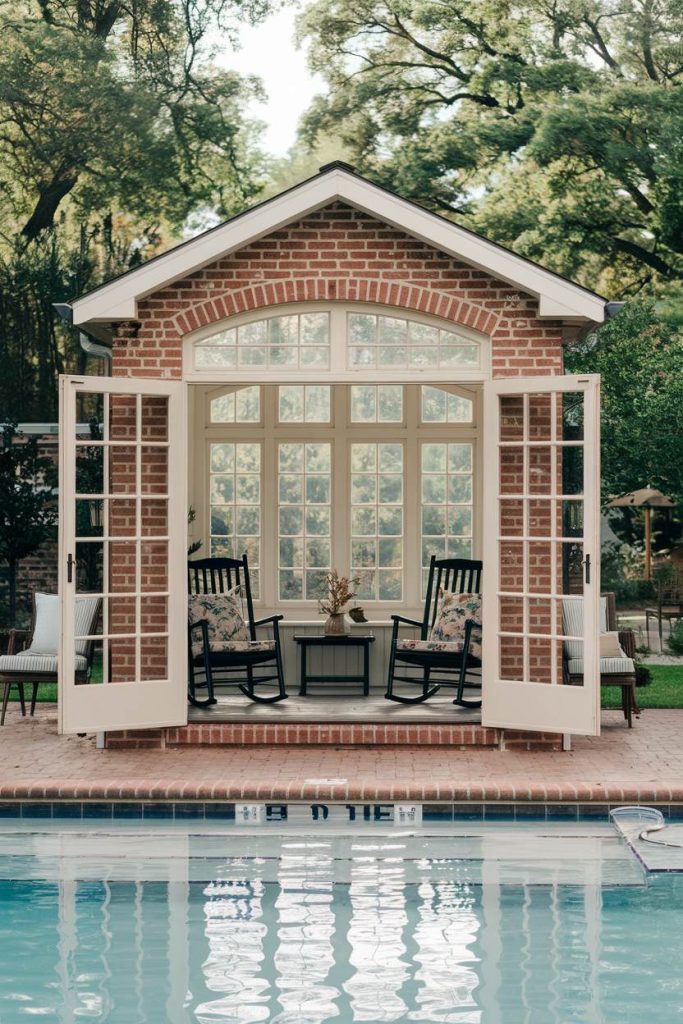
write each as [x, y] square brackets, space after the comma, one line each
[223, 646]
[449, 646]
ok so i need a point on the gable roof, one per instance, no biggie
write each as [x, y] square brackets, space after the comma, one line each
[559, 298]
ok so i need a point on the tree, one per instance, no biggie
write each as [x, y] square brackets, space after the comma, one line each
[116, 125]
[119, 105]
[640, 359]
[27, 512]
[555, 127]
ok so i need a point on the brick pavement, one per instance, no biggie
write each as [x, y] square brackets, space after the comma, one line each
[645, 764]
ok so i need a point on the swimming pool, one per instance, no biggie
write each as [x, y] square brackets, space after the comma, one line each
[517, 924]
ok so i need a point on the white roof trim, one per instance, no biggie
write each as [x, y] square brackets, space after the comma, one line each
[558, 298]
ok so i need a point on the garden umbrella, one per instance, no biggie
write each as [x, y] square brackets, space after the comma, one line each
[647, 498]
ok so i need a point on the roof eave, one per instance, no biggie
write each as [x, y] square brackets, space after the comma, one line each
[558, 298]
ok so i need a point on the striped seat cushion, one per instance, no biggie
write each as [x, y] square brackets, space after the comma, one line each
[435, 646]
[41, 664]
[608, 666]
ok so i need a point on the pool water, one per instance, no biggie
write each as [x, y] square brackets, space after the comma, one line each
[514, 924]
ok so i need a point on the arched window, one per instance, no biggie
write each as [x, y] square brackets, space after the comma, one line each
[310, 341]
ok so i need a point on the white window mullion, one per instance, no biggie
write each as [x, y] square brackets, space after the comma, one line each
[412, 544]
[341, 492]
[269, 539]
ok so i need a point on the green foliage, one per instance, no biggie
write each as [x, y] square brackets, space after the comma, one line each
[553, 128]
[622, 568]
[118, 126]
[664, 691]
[27, 508]
[640, 359]
[675, 638]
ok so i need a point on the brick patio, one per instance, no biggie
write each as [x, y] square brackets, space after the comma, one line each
[643, 764]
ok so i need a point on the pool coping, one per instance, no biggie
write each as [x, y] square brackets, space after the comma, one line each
[227, 790]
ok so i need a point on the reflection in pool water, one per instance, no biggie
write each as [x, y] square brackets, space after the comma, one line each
[306, 933]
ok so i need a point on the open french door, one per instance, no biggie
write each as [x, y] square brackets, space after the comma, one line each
[122, 526]
[542, 607]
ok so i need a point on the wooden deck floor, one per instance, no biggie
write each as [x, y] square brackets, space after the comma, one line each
[374, 708]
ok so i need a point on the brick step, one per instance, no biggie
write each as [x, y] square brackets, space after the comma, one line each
[355, 734]
[352, 734]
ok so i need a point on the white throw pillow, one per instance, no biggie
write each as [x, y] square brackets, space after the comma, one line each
[610, 646]
[45, 639]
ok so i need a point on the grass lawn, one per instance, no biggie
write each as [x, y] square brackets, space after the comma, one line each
[665, 690]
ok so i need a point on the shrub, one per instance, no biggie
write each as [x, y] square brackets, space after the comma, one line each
[675, 640]
[643, 675]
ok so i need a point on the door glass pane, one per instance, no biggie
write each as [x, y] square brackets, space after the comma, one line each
[243, 406]
[541, 576]
[305, 521]
[446, 497]
[439, 406]
[304, 403]
[377, 520]
[235, 504]
[121, 553]
[381, 403]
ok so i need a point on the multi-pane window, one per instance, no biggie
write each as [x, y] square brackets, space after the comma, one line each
[446, 494]
[242, 406]
[370, 474]
[290, 341]
[304, 403]
[377, 520]
[304, 519]
[439, 406]
[235, 503]
[376, 403]
[375, 341]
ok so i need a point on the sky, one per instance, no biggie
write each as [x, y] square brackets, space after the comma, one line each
[268, 51]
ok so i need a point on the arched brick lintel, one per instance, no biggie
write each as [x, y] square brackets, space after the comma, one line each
[276, 293]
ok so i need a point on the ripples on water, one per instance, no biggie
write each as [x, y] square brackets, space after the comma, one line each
[308, 950]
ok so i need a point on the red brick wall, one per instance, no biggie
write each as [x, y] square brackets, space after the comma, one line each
[339, 254]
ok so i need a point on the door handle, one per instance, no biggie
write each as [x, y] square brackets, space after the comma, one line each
[587, 565]
[70, 562]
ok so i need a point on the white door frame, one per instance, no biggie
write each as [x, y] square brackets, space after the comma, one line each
[519, 704]
[136, 704]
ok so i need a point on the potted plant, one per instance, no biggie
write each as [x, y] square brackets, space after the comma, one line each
[339, 593]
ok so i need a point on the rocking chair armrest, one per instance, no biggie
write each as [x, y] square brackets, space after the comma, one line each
[13, 637]
[271, 620]
[627, 642]
[402, 620]
[268, 619]
[203, 625]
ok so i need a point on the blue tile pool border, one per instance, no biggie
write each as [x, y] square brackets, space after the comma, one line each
[188, 811]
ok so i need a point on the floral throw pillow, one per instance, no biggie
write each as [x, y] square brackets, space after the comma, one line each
[222, 612]
[453, 612]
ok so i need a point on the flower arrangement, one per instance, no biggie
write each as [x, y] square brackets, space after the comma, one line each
[339, 593]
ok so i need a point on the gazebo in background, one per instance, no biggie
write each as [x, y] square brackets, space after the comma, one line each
[647, 498]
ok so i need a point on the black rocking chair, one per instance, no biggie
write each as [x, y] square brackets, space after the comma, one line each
[232, 668]
[459, 576]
